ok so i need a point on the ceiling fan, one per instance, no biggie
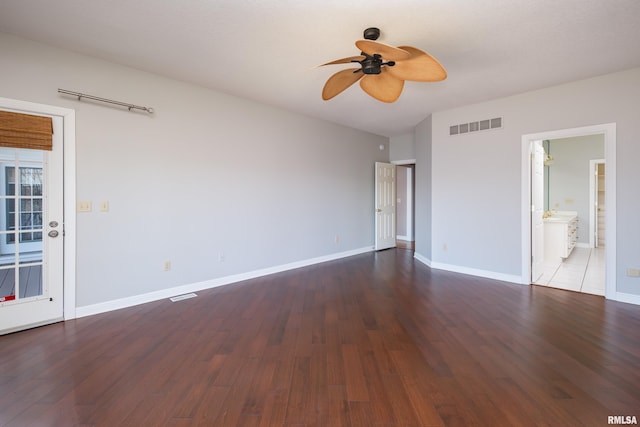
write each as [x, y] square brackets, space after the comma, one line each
[383, 69]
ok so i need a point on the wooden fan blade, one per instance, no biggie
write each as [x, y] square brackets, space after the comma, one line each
[340, 81]
[383, 87]
[420, 67]
[345, 60]
[387, 52]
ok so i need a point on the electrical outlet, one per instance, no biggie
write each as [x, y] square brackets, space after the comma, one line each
[104, 206]
[220, 257]
[336, 239]
[167, 265]
[445, 247]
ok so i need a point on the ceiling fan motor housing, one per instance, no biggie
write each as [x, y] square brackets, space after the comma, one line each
[371, 64]
[372, 33]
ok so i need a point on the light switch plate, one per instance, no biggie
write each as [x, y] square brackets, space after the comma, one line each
[85, 206]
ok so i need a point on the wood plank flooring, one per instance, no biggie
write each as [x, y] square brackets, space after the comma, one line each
[373, 340]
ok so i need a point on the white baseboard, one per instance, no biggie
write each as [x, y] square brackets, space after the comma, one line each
[511, 278]
[617, 296]
[628, 298]
[106, 306]
[404, 238]
[426, 261]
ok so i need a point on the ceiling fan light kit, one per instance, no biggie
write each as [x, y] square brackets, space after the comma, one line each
[383, 69]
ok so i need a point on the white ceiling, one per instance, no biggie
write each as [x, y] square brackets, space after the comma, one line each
[267, 50]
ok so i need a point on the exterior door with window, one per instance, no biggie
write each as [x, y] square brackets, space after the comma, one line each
[31, 231]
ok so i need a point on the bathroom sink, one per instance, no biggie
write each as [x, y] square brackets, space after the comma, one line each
[561, 216]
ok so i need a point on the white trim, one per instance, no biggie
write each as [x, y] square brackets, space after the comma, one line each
[624, 297]
[103, 307]
[512, 278]
[69, 129]
[609, 131]
[408, 197]
[423, 259]
[70, 215]
[404, 238]
[404, 162]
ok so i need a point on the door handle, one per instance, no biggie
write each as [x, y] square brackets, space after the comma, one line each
[378, 210]
[53, 233]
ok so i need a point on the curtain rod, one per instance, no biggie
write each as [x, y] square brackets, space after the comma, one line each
[109, 101]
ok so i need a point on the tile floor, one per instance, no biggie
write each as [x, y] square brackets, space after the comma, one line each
[582, 271]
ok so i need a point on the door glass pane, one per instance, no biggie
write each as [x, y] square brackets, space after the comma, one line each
[30, 281]
[21, 223]
[7, 283]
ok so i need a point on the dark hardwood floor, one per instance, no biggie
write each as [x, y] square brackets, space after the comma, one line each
[372, 340]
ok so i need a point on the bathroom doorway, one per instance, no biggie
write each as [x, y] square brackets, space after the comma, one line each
[571, 259]
[572, 152]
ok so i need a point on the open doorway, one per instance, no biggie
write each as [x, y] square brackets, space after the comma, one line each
[405, 191]
[569, 211]
[571, 259]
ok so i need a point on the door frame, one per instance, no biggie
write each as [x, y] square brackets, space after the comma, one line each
[609, 132]
[69, 199]
[537, 209]
[411, 202]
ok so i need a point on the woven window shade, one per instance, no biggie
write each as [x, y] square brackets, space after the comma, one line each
[25, 131]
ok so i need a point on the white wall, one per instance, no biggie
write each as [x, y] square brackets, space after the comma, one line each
[423, 190]
[402, 147]
[206, 174]
[476, 177]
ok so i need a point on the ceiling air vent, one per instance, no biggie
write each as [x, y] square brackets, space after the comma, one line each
[495, 123]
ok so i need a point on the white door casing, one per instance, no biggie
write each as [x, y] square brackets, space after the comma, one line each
[609, 132]
[385, 205]
[537, 210]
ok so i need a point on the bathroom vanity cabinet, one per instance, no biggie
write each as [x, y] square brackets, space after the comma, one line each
[560, 235]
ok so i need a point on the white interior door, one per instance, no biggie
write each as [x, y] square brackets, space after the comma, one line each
[385, 201]
[537, 211]
[31, 235]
